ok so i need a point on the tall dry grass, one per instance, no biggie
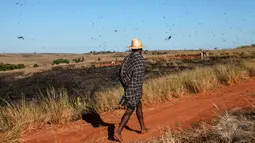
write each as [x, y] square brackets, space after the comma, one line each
[228, 74]
[52, 108]
[248, 66]
[177, 85]
[57, 108]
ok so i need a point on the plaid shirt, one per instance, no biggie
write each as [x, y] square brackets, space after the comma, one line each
[132, 74]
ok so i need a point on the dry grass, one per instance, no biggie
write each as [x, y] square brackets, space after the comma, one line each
[230, 128]
[229, 74]
[54, 108]
[57, 108]
[248, 66]
[177, 85]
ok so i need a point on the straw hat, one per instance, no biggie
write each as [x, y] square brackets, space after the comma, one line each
[136, 44]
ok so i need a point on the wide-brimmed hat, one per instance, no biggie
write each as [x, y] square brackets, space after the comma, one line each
[136, 44]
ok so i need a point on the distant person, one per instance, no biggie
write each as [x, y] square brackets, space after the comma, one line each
[203, 54]
[132, 73]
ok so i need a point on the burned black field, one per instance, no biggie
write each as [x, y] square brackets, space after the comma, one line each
[88, 81]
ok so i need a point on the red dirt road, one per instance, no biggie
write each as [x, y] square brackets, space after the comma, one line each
[176, 113]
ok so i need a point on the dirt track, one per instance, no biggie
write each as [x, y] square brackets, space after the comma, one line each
[176, 113]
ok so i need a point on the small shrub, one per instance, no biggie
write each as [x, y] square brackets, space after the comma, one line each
[35, 66]
[59, 61]
[77, 60]
[6, 67]
[99, 59]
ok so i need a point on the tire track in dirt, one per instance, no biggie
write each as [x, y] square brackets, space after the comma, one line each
[177, 113]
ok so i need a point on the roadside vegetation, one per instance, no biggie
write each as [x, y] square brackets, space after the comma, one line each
[230, 128]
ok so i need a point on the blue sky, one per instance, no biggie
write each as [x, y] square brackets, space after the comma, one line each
[79, 26]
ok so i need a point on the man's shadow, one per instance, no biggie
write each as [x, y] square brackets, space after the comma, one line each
[91, 116]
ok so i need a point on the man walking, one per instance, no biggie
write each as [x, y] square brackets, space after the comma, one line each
[132, 74]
